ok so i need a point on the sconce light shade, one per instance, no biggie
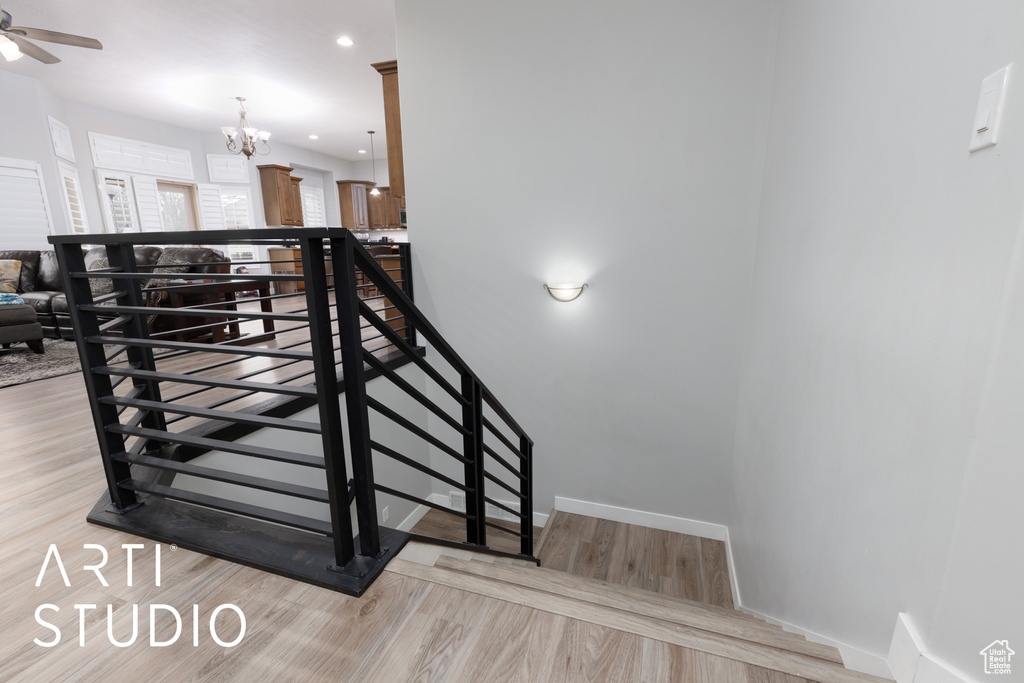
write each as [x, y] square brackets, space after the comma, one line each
[566, 291]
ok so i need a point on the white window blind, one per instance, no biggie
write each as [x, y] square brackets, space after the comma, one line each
[72, 190]
[117, 201]
[25, 218]
[121, 154]
[147, 203]
[211, 210]
[313, 207]
[228, 168]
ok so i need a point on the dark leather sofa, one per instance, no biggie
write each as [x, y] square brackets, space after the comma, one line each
[41, 287]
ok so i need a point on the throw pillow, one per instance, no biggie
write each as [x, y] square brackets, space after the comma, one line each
[100, 286]
[164, 264]
[167, 264]
[7, 298]
[10, 275]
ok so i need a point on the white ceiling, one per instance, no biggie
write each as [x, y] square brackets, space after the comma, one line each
[183, 63]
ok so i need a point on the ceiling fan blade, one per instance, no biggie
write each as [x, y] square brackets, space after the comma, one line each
[56, 37]
[31, 50]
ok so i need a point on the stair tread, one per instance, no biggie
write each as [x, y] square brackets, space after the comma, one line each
[754, 653]
[676, 610]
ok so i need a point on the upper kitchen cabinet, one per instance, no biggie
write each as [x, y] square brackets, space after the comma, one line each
[282, 198]
[355, 210]
[393, 126]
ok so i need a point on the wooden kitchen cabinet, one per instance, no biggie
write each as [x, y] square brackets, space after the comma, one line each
[393, 125]
[392, 208]
[355, 210]
[282, 198]
[291, 264]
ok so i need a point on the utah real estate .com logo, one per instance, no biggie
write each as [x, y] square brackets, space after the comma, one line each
[997, 657]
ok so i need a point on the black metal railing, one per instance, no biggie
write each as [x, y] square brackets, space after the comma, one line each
[214, 396]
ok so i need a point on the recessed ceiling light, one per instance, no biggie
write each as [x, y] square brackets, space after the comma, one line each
[314, 137]
[345, 41]
[362, 151]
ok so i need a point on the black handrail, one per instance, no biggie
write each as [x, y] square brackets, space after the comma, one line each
[351, 301]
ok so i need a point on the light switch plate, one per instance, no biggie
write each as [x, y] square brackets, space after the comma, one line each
[989, 113]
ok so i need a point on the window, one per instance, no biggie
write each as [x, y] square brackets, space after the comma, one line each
[237, 207]
[117, 201]
[24, 211]
[313, 207]
[72, 190]
[177, 206]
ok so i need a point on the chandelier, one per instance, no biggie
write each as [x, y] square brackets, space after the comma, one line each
[253, 141]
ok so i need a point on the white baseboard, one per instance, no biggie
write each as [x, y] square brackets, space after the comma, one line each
[539, 518]
[654, 520]
[854, 658]
[911, 662]
[415, 516]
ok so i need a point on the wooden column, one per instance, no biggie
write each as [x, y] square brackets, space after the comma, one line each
[393, 126]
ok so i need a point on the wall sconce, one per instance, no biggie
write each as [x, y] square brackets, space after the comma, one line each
[566, 291]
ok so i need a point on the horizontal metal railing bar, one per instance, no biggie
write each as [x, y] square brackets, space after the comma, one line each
[134, 392]
[186, 330]
[240, 278]
[251, 299]
[399, 494]
[375, 349]
[507, 531]
[415, 429]
[204, 348]
[195, 313]
[270, 236]
[116, 383]
[504, 463]
[413, 392]
[241, 359]
[137, 418]
[405, 460]
[210, 381]
[272, 485]
[406, 348]
[116, 294]
[244, 394]
[494, 405]
[501, 437]
[505, 486]
[205, 443]
[116, 353]
[242, 509]
[502, 506]
[116, 322]
[228, 416]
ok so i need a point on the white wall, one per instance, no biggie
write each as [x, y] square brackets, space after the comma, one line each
[25, 134]
[882, 254]
[586, 130]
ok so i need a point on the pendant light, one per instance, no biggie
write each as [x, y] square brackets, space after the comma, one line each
[373, 160]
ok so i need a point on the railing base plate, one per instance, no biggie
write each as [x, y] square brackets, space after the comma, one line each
[272, 548]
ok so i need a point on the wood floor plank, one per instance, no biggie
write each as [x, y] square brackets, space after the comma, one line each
[715, 573]
[712, 643]
[705, 617]
[449, 527]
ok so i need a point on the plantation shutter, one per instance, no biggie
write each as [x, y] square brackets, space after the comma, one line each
[211, 211]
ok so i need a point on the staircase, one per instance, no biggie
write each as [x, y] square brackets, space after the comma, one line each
[718, 631]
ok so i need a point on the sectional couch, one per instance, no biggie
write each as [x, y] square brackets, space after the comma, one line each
[41, 287]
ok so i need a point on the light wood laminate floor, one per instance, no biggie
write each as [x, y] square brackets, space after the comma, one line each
[672, 564]
[401, 629]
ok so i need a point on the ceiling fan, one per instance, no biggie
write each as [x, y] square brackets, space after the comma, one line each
[19, 35]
